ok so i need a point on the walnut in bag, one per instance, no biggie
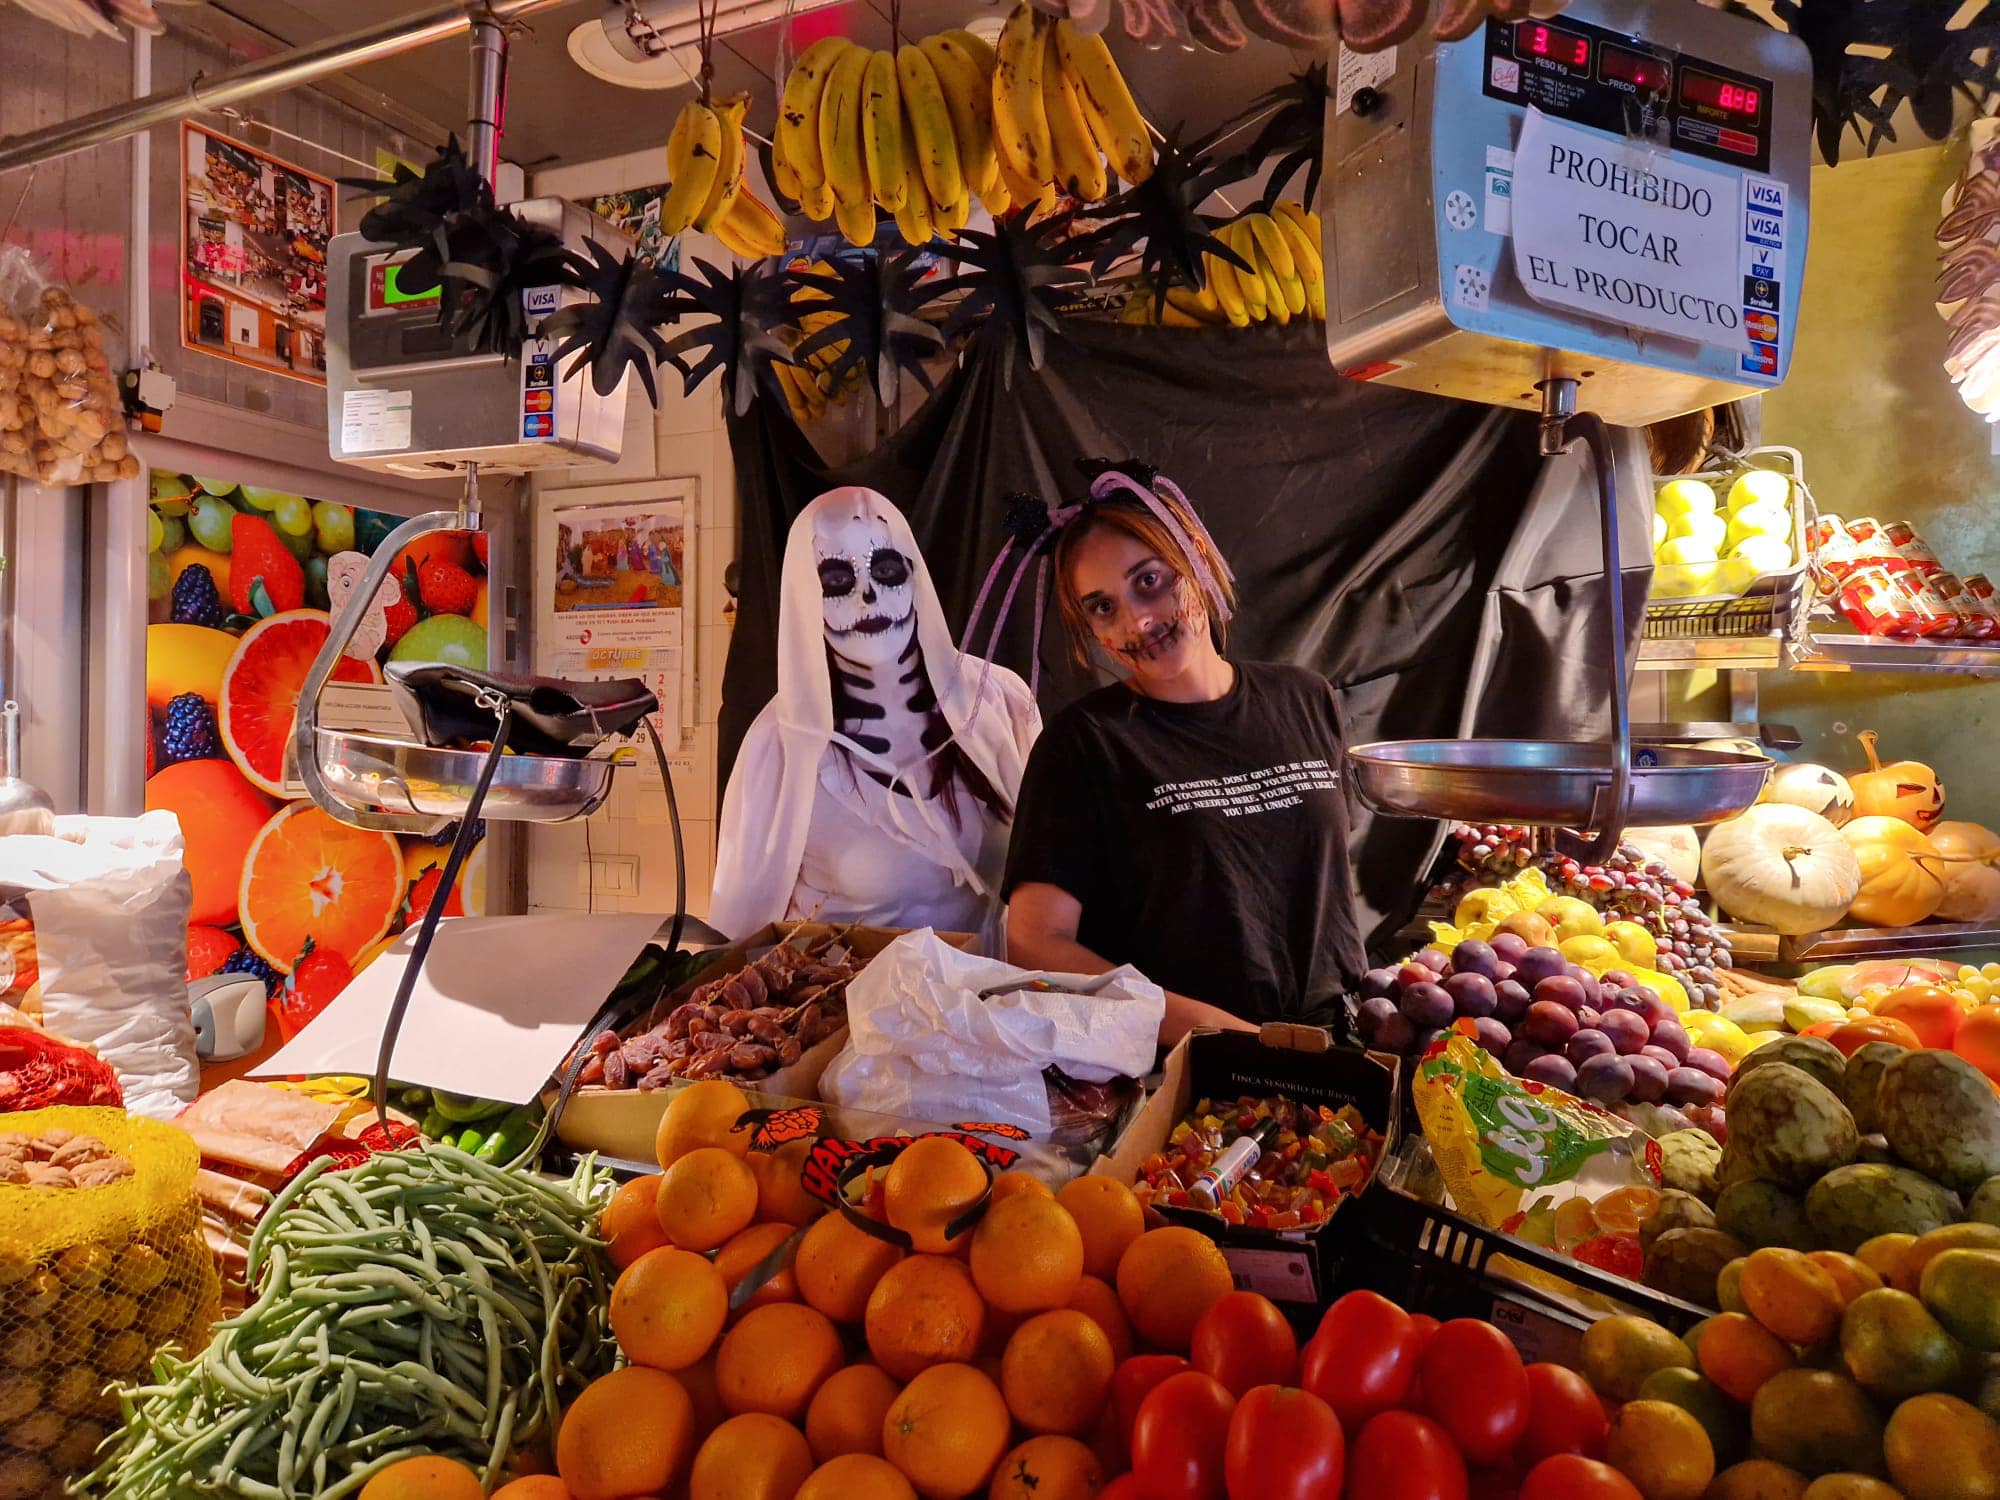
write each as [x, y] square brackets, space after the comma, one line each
[61, 421]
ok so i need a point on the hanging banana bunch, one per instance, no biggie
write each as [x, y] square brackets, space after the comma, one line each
[1288, 279]
[706, 156]
[809, 384]
[1063, 117]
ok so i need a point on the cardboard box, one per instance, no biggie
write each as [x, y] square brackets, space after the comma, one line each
[1298, 1062]
[623, 1122]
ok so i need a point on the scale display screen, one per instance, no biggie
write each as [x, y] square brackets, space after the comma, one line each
[1534, 39]
[1641, 70]
[385, 295]
[1738, 101]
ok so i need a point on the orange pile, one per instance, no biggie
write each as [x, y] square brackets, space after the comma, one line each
[978, 1360]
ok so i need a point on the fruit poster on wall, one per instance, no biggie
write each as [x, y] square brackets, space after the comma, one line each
[238, 609]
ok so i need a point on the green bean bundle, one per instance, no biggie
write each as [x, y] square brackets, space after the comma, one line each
[422, 1302]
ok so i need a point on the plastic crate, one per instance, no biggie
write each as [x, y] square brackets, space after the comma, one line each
[1725, 599]
[1776, 601]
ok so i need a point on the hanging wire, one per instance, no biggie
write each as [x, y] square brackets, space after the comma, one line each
[705, 12]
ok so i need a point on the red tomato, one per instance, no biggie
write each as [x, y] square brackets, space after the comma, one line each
[1244, 1341]
[1474, 1383]
[1569, 1476]
[1133, 1382]
[1426, 1325]
[1361, 1360]
[1564, 1415]
[1124, 1487]
[1402, 1456]
[1284, 1444]
[1179, 1441]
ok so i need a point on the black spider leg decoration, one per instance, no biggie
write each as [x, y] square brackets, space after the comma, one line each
[1846, 89]
[1294, 134]
[743, 309]
[1160, 221]
[618, 329]
[1931, 64]
[877, 298]
[498, 258]
[1016, 290]
[418, 211]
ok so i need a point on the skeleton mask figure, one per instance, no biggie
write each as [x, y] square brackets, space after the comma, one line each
[866, 593]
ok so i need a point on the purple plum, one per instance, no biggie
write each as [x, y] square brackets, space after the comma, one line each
[1395, 1034]
[1673, 1036]
[1474, 957]
[1627, 999]
[1709, 1061]
[1537, 964]
[1378, 982]
[1553, 1070]
[1607, 1078]
[1587, 1044]
[1428, 1005]
[1649, 1080]
[1436, 960]
[1414, 973]
[1561, 990]
[1588, 1018]
[1616, 979]
[1661, 1056]
[1501, 970]
[1593, 992]
[1692, 1086]
[1520, 1053]
[1371, 1014]
[1549, 1023]
[1491, 1035]
[1511, 1001]
[1510, 946]
[1473, 994]
[1626, 1030]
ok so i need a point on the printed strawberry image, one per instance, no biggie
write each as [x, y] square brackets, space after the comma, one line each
[209, 948]
[446, 588]
[264, 578]
[318, 976]
[400, 617]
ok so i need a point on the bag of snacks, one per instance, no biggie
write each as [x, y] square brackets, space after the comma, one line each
[61, 421]
[103, 1263]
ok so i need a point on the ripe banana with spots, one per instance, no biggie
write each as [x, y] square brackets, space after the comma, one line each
[750, 228]
[1020, 108]
[693, 157]
[795, 143]
[1285, 275]
[840, 132]
[933, 138]
[1079, 170]
[882, 131]
[729, 162]
[964, 68]
[1115, 121]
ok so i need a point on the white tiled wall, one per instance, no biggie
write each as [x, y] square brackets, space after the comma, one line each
[684, 437]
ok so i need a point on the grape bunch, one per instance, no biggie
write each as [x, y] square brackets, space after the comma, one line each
[1628, 885]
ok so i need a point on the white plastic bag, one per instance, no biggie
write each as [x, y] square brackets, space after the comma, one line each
[936, 1034]
[109, 900]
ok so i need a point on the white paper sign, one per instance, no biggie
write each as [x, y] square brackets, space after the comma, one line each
[499, 1004]
[1356, 71]
[1623, 232]
[374, 421]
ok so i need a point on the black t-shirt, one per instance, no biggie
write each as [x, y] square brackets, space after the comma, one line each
[1207, 842]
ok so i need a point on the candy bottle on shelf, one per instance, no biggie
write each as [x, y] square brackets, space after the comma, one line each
[1907, 543]
[1972, 622]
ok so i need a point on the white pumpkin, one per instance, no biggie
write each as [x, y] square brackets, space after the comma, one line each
[1675, 845]
[1815, 788]
[1971, 872]
[1782, 867]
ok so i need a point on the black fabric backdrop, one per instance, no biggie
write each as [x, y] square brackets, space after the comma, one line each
[1415, 550]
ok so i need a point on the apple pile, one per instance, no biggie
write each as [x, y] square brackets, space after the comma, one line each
[1708, 545]
[1603, 1037]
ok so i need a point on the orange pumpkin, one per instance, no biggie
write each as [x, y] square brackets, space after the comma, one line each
[1906, 789]
[1902, 877]
[1855, 1035]
[1972, 876]
[1978, 1040]
[1930, 1010]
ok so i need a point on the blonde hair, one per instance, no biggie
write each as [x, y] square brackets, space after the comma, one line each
[1128, 514]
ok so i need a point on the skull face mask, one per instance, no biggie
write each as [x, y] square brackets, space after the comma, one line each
[866, 594]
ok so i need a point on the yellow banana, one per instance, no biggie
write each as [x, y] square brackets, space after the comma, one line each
[1181, 299]
[1205, 295]
[1304, 217]
[994, 195]
[1036, 197]
[1271, 240]
[1020, 111]
[913, 219]
[977, 48]
[1256, 297]
[857, 222]
[1228, 294]
[1079, 170]
[1115, 121]
[757, 231]
[933, 138]
[797, 136]
[882, 131]
[951, 217]
[785, 178]
[692, 158]
[1312, 270]
[816, 200]
[802, 395]
[840, 130]
[1167, 315]
[1291, 283]
[1277, 301]
[967, 87]
[729, 162]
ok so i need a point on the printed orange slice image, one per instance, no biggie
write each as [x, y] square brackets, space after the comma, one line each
[308, 876]
[261, 685]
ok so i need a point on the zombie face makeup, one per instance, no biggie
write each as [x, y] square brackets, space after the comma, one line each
[866, 595]
[1145, 616]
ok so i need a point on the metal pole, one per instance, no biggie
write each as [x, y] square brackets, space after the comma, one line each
[486, 112]
[287, 70]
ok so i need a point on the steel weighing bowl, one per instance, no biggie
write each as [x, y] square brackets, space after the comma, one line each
[371, 773]
[1551, 783]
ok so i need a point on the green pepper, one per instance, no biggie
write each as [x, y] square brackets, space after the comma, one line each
[510, 1137]
[413, 1101]
[470, 1140]
[436, 1127]
[465, 1110]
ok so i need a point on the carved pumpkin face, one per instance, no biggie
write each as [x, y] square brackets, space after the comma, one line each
[1905, 789]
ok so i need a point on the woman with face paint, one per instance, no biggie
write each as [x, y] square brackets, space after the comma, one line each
[878, 785]
[1189, 819]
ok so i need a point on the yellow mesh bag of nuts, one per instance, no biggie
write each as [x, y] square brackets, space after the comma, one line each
[102, 1262]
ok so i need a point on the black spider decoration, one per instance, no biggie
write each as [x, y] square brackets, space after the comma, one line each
[1160, 220]
[1017, 286]
[1025, 518]
[1295, 133]
[1931, 65]
[742, 307]
[878, 297]
[619, 328]
[417, 208]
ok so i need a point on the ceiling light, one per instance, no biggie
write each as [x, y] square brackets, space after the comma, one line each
[603, 50]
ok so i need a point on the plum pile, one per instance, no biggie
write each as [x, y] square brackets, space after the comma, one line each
[1628, 885]
[1603, 1037]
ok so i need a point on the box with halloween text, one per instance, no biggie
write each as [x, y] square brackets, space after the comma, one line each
[1324, 1116]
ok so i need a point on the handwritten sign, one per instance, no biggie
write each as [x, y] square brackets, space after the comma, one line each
[1623, 232]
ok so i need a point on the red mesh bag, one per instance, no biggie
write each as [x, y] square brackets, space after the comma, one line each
[37, 1071]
